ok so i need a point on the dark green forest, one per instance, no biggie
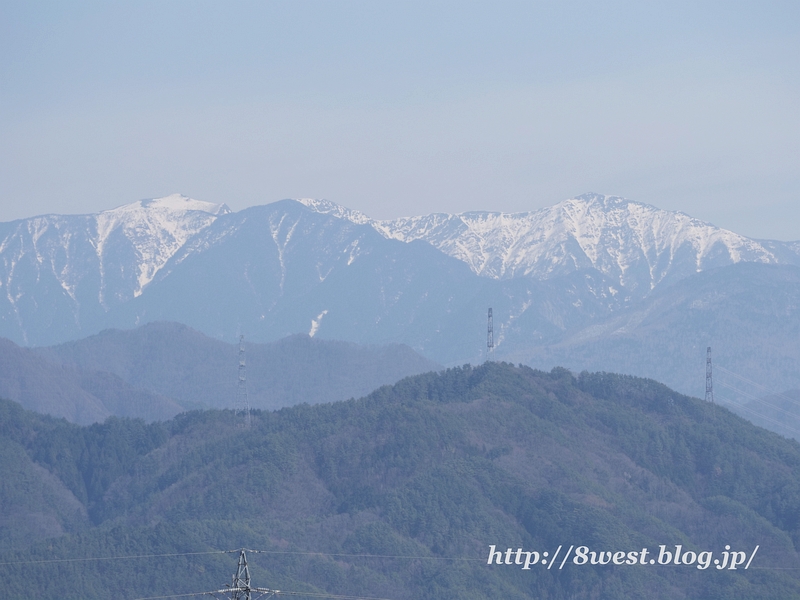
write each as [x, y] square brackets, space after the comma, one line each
[399, 495]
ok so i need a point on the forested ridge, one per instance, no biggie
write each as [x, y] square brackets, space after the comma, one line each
[438, 466]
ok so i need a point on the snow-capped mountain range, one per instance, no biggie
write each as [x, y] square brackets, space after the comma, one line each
[591, 277]
[636, 244]
[120, 250]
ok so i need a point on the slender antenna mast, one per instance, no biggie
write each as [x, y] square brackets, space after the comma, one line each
[242, 405]
[490, 338]
[709, 382]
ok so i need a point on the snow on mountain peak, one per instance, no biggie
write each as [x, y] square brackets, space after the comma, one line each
[619, 235]
[173, 203]
[326, 207]
[156, 228]
[635, 243]
[128, 245]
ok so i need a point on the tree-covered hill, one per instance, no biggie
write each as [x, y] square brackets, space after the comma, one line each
[435, 468]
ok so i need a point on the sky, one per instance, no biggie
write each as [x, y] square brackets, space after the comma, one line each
[404, 108]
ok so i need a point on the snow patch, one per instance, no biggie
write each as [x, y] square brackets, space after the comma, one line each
[281, 239]
[354, 252]
[320, 275]
[326, 207]
[316, 322]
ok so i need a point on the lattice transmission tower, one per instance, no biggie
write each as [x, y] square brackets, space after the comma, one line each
[242, 404]
[240, 587]
[709, 381]
[490, 338]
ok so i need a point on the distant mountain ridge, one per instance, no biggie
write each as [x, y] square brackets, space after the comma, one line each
[116, 253]
[174, 361]
[159, 370]
[637, 244]
[594, 282]
[79, 395]
[65, 277]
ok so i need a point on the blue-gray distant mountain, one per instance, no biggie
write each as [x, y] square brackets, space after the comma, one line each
[275, 270]
[271, 271]
[159, 370]
[173, 361]
[595, 282]
[749, 313]
[79, 395]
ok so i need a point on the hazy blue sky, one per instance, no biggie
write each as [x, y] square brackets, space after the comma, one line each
[399, 108]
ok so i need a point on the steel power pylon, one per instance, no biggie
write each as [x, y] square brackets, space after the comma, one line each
[240, 588]
[709, 381]
[242, 404]
[490, 338]
[241, 580]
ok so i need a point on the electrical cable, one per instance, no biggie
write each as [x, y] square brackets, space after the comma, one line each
[758, 385]
[392, 556]
[757, 399]
[323, 595]
[271, 592]
[279, 552]
[786, 427]
[97, 558]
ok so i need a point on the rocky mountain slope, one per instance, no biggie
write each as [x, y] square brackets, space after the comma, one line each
[67, 276]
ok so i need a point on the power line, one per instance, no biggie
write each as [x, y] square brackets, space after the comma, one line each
[753, 398]
[324, 595]
[341, 555]
[174, 596]
[272, 592]
[273, 552]
[99, 558]
[761, 416]
[792, 431]
[758, 385]
[757, 399]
